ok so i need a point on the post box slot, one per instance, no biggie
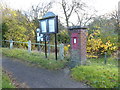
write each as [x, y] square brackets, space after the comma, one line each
[74, 40]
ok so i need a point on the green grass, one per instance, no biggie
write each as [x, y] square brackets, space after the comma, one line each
[97, 74]
[6, 82]
[110, 61]
[35, 58]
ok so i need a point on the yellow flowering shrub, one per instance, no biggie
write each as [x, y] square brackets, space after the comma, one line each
[66, 48]
[96, 47]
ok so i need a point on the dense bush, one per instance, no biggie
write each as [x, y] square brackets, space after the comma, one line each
[63, 37]
[16, 26]
[97, 47]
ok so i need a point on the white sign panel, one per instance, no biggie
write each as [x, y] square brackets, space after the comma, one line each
[41, 37]
[38, 30]
[43, 26]
[37, 34]
[51, 25]
[38, 38]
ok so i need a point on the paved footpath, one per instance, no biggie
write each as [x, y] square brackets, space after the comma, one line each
[36, 77]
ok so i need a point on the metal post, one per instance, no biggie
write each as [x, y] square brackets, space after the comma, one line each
[48, 48]
[55, 46]
[61, 52]
[11, 44]
[29, 46]
[40, 47]
[45, 48]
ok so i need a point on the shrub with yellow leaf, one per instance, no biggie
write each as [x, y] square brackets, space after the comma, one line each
[96, 47]
[66, 49]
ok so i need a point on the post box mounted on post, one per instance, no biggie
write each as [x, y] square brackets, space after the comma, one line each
[78, 45]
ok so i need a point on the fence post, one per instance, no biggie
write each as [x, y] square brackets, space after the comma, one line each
[39, 47]
[29, 46]
[11, 44]
[105, 60]
[61, 51]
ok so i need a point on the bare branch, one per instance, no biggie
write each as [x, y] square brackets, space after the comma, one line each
[68, 9]
[40, 9]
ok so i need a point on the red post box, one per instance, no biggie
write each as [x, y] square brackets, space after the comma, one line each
[74, 41]
[78, 45]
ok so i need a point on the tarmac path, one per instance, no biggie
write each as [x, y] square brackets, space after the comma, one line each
[36, 77]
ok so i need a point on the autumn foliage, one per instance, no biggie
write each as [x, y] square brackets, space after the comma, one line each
[96, 47]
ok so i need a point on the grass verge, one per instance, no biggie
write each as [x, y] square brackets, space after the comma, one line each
[110, 61]
[35, 58]
[97, 74]
[6, 82]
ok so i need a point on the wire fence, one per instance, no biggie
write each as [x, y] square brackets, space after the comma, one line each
[41, 47]
[61, 53]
